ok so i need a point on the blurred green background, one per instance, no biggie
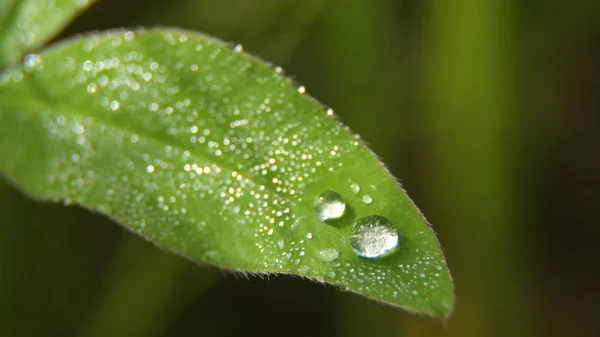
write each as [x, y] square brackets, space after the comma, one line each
[488, 111]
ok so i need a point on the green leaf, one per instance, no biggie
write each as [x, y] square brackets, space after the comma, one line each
[28, 24]
[215, 155]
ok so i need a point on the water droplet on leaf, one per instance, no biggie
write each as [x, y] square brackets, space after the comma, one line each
[373, 236]
[366, 199]
[329, 206]
[329, 255]
[209, 256]
[355, 188]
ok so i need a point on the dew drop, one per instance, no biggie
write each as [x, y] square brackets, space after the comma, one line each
[355, 188]
[329, 206]
[92, 88]
[373, 236]
[209, 256]
[31, 61]
[329, 255]
[366, 199]
[238, 48]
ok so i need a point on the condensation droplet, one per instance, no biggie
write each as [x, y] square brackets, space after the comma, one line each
[355, 188]
[31, 61]
[329, 206]
[374, 236]
[366, 199]
[329, 255]
[209, 256]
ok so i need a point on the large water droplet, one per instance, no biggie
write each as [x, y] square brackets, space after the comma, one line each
[329, 206]
[373, 236]
[329, 255]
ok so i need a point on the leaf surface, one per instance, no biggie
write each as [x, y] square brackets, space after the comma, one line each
[213, 154]
[28, 24]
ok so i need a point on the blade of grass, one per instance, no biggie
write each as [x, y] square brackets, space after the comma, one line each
[141, 294]
[472, 95]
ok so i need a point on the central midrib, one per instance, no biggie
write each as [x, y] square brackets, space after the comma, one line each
[40, 105]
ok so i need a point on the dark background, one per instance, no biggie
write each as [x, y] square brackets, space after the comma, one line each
[488, 111]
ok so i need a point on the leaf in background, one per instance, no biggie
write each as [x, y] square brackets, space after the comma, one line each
[215, 155]
[28, 24]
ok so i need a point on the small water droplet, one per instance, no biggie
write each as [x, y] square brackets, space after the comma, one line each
[209, 256]
[31, 61]
[329, 255]
[355, 188]
[329, 206]
[373, 236]
[366, 199]
[238, 48]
